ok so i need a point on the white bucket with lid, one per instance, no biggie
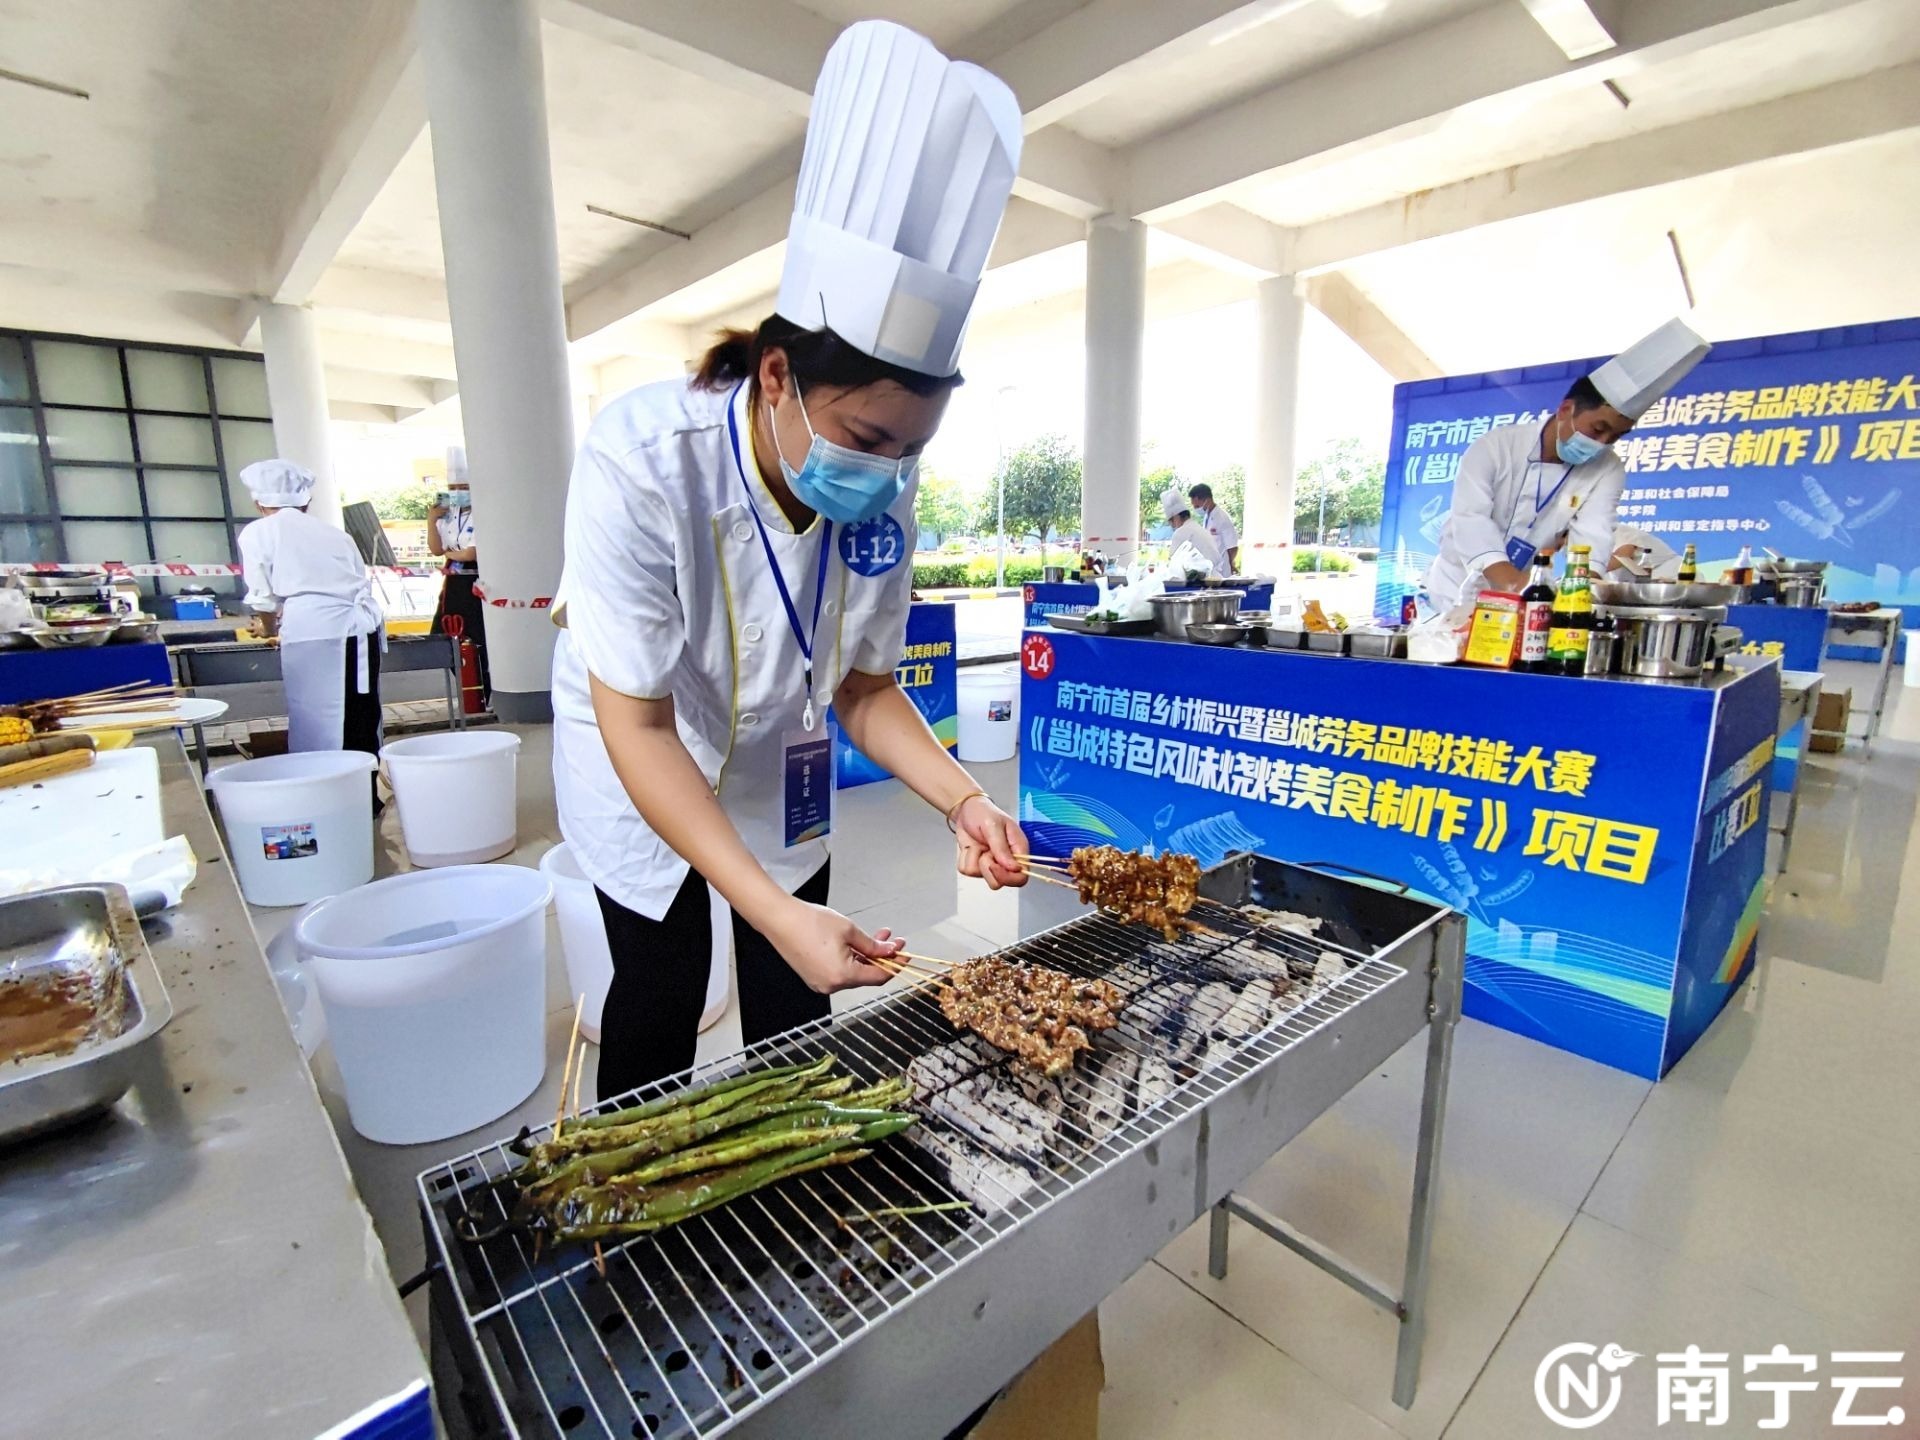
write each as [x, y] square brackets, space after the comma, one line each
[457, 794]
[300, 827]
[583, 943]
[989, 704]
[434, 985]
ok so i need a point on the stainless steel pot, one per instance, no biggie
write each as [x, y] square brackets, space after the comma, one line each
[1173, 613]
[1672, 644]
[1801, 589]
[1662, 594]
[1053, 574]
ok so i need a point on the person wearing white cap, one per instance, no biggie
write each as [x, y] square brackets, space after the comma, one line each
[1191, 546]
[312, 574]
[450, 535]
[739, 551]
[1521, 490]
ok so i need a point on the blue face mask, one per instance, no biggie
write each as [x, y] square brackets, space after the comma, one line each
[847, 486]
[1578, 448]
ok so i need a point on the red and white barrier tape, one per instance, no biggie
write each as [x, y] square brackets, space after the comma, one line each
[174, 571]
[539, 602]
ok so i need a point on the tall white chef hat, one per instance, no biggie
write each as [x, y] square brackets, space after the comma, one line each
[1648, 369]
[278, 484]
[456, 464]
[1173, 502]
[909, 161]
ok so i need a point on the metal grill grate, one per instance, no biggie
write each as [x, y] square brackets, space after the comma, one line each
[691, 1330]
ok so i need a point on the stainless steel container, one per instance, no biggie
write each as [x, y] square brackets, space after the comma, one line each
[1215, 632]
[1603, 652]
[1665, 644]
[1378, 644]
[1053, 574]
[1327, 642]
[85, 937]
[1173, 613]
[1662, 594]
[1801, 589]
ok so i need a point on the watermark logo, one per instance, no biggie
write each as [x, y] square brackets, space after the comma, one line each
[1578, 1385]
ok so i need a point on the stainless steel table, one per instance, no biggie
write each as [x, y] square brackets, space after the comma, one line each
[1799, 696]
[197, 1262]
[1880, 629]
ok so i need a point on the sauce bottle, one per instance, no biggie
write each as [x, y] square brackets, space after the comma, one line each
[1572, 617]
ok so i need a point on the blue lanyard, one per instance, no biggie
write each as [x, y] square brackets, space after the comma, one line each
[805, 638]
[1540, 505]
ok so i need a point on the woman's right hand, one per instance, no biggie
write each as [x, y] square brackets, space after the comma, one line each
[829, 951]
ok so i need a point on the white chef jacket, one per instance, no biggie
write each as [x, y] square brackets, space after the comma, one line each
[312, 573]
[1494, 498]
[1191, 534]
[456, 533]
[666, 591]
[1220, 527]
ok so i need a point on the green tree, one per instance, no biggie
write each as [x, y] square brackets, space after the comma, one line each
[939, 508]
[409, 500]
[1154, 484]
[1229, 486]
[1042, 480]
[1351, 478]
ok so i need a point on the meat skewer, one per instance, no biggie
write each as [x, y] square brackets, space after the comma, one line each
[1140, 889]
[1039, 1015]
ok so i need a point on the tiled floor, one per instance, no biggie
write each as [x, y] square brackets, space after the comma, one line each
[1764, 1192]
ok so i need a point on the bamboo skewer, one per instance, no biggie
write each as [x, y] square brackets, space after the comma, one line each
[566, 1073]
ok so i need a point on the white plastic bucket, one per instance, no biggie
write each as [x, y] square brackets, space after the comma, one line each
[434, 985]
[583, 943]
[457, 795]
[300, 826]
[989, 712]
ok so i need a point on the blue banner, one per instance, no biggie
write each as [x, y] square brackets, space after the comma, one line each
[1794, 635]
[928, 672]
[1531, 803]
[1077, 598]
[1808, 442]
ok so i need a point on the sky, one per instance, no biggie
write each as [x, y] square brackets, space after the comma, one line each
[1197, 399]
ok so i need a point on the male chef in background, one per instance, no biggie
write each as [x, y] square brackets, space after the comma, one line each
[1522, 489]
[1217, 523]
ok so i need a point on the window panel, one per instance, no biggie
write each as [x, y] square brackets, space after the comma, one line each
[78, 374]
[191, 542]
[184, 492]
[25, 544]
[13, 370]
[172, 440]
[240, 388]
[165, 381]
[87, 491]
[94, 542]
[244, 441]
[88, 435]
[21, 492]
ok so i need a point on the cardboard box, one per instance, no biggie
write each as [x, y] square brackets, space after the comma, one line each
[1830, 714]
[1057, 1397]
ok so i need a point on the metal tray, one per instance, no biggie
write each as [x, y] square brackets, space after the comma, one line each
[1278, 639]
[1080, 624]
[1378, 644]
[1326, 642]
[87, 932]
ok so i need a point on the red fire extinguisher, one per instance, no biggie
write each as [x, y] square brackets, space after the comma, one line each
[470, 700]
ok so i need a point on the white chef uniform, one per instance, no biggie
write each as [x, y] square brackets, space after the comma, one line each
[667, 588]
[1190, 535]
[667, 592]
[1221, 529]
[1504, 493]
[456, 533]
[313, 575]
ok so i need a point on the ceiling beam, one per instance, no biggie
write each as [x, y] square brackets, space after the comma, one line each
[1410, 85]
[1879, 103]
[359, 412]
[1354, 314]
[385, 354]
[1107, 44]
[390, 294]
[373, 127]
[770, 48]
[1068, 173]
[374, 387]
[1579, 27]
[1235, 238]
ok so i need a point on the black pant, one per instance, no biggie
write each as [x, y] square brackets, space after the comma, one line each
[652, 1016]
[457, 598]
[360, 723]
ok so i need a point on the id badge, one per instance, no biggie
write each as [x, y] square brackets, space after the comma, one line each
[1520, 553]
[807, 764]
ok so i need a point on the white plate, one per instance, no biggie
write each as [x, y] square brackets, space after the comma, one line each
[187, 710]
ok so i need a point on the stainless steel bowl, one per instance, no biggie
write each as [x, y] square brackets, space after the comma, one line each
[140, 629]
[1173, 613]
[1215, 632]
[74, 637]
[1663, 594]
[1793, 567]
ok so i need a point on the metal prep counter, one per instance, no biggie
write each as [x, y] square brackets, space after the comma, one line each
[197, 1262]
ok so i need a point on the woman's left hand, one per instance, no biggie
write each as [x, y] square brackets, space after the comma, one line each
[990, 843]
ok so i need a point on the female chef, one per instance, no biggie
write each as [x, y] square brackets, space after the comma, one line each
[313, 575]
[739, 554]
[450, 536]
[1522, 489]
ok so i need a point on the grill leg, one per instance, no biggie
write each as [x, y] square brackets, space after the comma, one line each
[1217, 1240]
[1449, 964]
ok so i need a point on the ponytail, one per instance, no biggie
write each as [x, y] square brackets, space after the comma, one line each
[729, 360]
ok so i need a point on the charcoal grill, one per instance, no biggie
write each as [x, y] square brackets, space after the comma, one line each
[769, 1317]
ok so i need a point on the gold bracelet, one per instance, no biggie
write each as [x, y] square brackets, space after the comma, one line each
[954, 809]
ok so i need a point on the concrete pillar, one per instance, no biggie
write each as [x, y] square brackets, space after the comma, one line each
[1267, 529]
[487, 110]
[1116, 332]
[297, 391]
